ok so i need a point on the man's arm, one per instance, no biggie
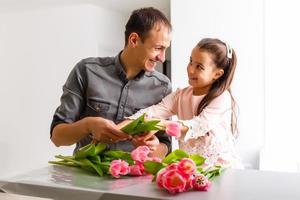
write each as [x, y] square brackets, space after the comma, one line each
[67, 134]
[103, 130]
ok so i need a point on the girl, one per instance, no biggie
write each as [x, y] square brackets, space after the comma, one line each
[206, 108]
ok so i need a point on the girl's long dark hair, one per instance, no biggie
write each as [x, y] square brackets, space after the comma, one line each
[220, 57]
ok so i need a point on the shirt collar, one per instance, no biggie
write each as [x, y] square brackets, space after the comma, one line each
[121, 72]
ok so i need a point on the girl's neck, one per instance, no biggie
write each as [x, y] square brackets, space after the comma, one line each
[200, 91]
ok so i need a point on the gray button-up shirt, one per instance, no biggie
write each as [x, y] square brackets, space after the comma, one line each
[98, 87]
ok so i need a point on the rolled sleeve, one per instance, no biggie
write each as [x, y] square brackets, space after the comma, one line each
[71, 101]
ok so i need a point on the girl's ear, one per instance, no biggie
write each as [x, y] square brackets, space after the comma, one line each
[133, 39]
[218, 74]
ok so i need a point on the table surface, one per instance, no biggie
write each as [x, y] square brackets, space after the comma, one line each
[7, 196]
[60, 182]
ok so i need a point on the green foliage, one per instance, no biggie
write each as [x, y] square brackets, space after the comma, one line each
[199, 160]
[152, 167]
[213, 172]
[175, 156]
[88, 150]
[88, 158]
[139, 125]
[96, 159]
[117, 154]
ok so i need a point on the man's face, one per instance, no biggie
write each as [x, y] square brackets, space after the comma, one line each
[153, 49]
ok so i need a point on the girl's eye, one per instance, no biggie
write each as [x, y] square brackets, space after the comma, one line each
[199, 67]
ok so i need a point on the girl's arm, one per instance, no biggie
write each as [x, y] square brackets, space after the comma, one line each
[217, 112]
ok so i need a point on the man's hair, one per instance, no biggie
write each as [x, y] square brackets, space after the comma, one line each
[141, 21]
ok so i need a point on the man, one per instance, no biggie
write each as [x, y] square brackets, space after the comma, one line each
[100, 92]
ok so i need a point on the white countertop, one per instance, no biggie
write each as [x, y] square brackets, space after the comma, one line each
[60, 182]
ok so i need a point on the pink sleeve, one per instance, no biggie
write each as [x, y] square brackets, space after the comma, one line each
[212, 115]
[163, 110]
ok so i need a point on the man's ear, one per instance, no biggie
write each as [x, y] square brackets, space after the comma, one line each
[133, 39]
[219, 73]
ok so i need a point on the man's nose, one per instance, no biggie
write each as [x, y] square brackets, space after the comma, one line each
[161, 57]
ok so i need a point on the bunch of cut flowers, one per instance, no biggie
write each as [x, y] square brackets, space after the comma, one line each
[178, 172]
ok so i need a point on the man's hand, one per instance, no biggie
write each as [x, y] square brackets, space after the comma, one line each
[105, 131]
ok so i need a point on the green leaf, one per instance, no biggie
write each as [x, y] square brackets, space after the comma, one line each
[117, 154]
[146, 127]
[100, 147]
[174, 156]
[180, 154]
[69, 159]
[64, 163]
[139, 125]
[105, 167]
[88, 150]
[95, 159]
[213, 172]
[97, 168]
[132, 125]
[153, 167]
[199, 160]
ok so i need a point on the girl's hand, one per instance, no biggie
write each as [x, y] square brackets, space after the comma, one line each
[148, 139]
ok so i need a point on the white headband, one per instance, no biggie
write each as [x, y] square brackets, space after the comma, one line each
[229, 51]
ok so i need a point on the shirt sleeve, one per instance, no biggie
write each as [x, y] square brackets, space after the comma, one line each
[163, 110]
[72, 99]
[210, 117]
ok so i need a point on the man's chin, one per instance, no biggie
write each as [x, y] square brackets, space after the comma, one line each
[150, 68]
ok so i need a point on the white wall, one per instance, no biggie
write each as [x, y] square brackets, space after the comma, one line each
[282, 149]
[40, 42]
[240, 23]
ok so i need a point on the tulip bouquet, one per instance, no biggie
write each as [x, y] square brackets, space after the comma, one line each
[178, 172]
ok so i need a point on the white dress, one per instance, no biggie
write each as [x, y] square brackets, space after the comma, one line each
[209, 132]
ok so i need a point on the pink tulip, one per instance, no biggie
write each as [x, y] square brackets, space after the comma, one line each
[160, 177]
[201, 183]
[118, 167]
[137, 170]
[187, 166]
[140, 154]
[173, 129]
[189, 182]
[173, 166]
[173, 181]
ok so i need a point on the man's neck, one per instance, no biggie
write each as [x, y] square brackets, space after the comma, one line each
[130, 67]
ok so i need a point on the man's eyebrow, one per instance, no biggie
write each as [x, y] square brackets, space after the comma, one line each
[160, 45]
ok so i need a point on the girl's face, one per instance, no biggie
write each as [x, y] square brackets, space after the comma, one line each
[202, 71]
